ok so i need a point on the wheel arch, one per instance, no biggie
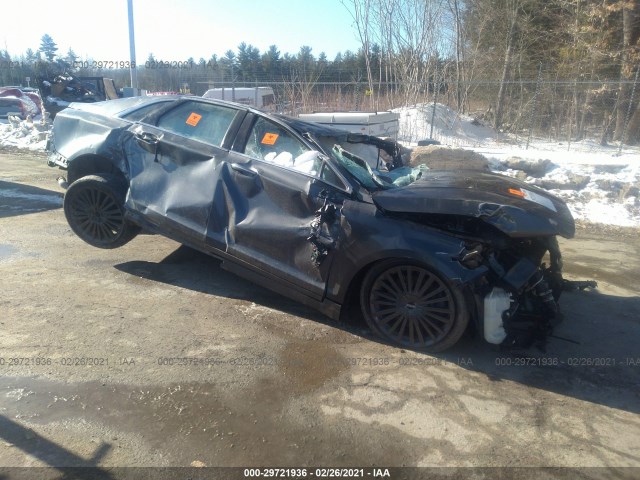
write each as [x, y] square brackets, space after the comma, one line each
[350, 296]
[99, 217]
[346, 268]
[354, 310]
[93, 164]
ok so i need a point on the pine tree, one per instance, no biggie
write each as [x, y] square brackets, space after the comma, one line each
[30, 56]
[48, 47]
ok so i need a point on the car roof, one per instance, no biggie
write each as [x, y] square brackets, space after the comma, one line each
[299, 126]
[316, 129]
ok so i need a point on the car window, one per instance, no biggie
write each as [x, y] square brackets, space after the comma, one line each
[272, 143]
[200, 121]
[329, 176]
[140, 113]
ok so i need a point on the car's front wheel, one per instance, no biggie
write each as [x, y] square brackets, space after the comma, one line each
[413, 306]
[94, 207]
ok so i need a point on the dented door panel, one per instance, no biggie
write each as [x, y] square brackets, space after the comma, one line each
[171, 181]
[270, 211]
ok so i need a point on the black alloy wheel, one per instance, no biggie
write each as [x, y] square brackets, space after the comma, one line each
[412, 306]
[94, 207]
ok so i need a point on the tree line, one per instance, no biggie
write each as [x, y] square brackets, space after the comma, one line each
[564, 68]
[247, 66]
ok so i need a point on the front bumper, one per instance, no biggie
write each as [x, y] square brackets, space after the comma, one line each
[56, 160]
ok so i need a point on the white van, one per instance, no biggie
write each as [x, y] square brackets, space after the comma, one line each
[258, 97]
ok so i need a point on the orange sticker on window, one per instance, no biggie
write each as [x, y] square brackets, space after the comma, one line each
[193, 119]
[516, 192]
[269, 138]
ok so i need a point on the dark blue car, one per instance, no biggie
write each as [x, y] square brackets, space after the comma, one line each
[323, 216]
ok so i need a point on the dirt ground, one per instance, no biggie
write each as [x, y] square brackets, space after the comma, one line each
[151, 355]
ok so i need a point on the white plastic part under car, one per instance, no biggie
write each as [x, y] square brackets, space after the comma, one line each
[495, 304]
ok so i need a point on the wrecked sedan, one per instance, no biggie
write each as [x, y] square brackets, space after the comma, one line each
[329, 218]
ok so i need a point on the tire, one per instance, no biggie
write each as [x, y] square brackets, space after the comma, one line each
[413, 306]
[94, 208]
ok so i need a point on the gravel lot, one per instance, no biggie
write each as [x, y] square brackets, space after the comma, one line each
[151, 355]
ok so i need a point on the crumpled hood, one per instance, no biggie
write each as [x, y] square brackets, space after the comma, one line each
[514, 207]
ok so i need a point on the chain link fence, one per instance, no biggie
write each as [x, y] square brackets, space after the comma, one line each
[547, 107]
[540, 102]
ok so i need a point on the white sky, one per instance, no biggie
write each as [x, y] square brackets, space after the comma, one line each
[179, 29]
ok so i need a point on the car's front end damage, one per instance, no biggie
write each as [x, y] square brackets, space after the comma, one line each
[508, 232]
[509, 265]
[517, 296]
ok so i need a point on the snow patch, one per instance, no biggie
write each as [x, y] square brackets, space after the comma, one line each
[24, 134]
[15, 193]
[601, 184]
[449, 127]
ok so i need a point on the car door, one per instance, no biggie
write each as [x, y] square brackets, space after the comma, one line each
[173, 165]
[276, 222]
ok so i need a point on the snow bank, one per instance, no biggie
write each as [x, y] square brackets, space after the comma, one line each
[599, 184]
[449, 127]
[24, 134]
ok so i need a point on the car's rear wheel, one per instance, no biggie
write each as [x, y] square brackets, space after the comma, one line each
[413, 306]
[94, 207]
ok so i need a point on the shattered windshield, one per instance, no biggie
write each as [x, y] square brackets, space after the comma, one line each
[379, 177]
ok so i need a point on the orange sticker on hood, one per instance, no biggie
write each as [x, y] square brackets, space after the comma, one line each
[269, 138]
[193, 119]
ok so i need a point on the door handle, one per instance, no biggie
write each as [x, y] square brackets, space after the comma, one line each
[149, 142]
[242, 170]
[148, 138]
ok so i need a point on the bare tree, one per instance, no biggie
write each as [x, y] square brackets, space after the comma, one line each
[410, 34]
[628, 107]
[362, 12]
[512, 8]
[302, 80]
[459, 53]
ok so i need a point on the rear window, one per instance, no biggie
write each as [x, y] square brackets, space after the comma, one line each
[141, 113]
[115, 107]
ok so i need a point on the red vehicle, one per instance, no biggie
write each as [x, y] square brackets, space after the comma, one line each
[15, 101]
